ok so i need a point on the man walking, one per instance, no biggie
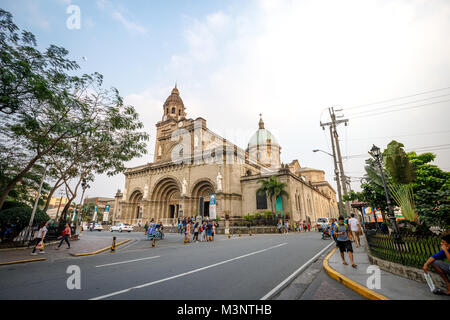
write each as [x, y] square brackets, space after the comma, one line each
[342, 231]
[355, 228]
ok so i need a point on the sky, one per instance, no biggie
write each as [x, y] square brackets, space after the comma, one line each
[386, 64]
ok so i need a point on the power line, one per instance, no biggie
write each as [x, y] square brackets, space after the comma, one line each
[399, 104]
[393, 99]
[401, 136]
[412, 107]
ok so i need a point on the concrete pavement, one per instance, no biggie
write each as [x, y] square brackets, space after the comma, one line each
[230, 269]
[391, 286]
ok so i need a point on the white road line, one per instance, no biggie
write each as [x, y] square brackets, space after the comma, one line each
[185, 273]
[128, 261]
[296, 272]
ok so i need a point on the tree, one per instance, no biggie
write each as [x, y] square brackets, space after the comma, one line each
[273, 189]
[402, 175]
[48, 110]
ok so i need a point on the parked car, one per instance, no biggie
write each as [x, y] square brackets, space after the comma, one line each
[321, 222]
[122, 227]
[97, 227]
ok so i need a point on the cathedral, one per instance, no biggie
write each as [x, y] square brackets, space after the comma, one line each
[196, 172]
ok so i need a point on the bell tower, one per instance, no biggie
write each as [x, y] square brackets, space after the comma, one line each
[173, 114]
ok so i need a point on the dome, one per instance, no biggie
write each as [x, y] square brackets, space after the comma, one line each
[174, 100]
[262, 137]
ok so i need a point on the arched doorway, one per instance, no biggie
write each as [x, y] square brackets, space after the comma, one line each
[166, 197]
[136, 206]
[200, 197]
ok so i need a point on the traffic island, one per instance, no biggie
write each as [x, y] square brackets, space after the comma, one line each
[99, 251]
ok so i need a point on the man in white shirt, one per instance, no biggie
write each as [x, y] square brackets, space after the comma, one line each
[40, 239]
[355, 228]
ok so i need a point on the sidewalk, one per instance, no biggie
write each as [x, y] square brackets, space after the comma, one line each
[83, 245]
[392, 286]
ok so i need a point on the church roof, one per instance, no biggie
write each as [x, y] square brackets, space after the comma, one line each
[262, 136]
[174, 99]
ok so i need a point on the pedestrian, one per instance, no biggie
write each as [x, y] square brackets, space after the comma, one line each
[332, 223]
[65, 236]
[188, 231]
[39, 241]
[344, 244]
[213, 230]
[184, 225]
[209, 231]
[355, 228]
[171, 227]
[146, 227]
[279, 226]
[196, 227]
[441, 267]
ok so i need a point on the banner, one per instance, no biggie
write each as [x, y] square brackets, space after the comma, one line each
[212, 206]
[106, 213]
[95, 214]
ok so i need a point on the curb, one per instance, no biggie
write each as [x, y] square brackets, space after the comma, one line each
[292, 277]
[22, 261]
[98, 251]
[365, 292]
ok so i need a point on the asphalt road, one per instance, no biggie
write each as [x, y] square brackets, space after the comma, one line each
[229, 269]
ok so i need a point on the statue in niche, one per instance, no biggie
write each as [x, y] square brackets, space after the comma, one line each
[219, 182]
[145, 191]
[184, 186]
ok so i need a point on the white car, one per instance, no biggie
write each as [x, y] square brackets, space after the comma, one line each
[121, 227]
[97, 227]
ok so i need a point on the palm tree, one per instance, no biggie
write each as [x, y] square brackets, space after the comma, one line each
[273, 189]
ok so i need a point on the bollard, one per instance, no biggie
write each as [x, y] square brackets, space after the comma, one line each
[113, 246]
[250, 232]
[239, 232]
[229, 234]
[185, 238]
[153, 242]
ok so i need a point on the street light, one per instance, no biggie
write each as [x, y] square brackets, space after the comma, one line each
[84, 186]
[375, 152]
[338, 184]
[317, 150]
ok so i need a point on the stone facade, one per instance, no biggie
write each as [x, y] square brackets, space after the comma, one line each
[192, 162]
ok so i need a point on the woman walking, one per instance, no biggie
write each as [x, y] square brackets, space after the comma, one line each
[40, 239]
[65, 236]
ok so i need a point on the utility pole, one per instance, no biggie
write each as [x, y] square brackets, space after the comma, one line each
[335, 141]
[336, 172]
[30, 224]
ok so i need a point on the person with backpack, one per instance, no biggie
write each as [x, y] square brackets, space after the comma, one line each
[65, 236]
[209, 231]
[342, 232]
[39, 241]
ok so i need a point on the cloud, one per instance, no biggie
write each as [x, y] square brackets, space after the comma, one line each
[129, 25]
[290, 60]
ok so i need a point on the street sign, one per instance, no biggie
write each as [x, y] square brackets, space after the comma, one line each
[212, 206]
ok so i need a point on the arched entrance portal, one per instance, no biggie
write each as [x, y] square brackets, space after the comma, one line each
[200, 197]
[166, 197]
[136, 206]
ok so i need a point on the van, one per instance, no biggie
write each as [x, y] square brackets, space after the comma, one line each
[321, 222]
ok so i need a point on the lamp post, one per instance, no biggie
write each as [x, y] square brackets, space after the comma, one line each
[375, 152]
[336, 172]
[84, 186]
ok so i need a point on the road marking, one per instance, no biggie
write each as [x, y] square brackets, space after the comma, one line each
[128, 261]
[185, 273]
[296, 272]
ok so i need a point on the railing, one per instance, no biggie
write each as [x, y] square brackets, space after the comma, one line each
[412, 251]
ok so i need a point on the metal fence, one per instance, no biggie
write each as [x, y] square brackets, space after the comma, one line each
[412, 251]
